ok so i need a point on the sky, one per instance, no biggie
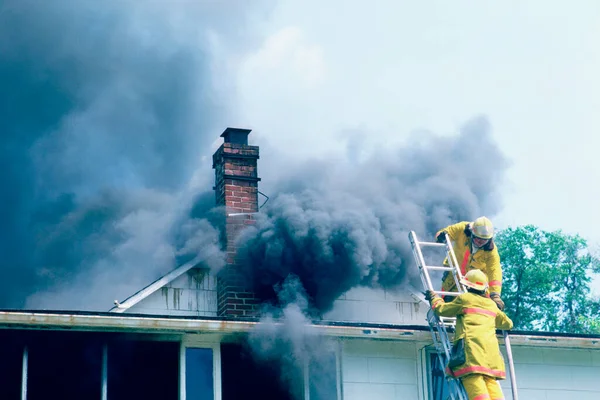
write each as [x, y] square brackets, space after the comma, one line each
[327, 70]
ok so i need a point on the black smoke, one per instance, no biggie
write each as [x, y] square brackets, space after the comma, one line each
[105, 110]
[338, 225]
[335, 224]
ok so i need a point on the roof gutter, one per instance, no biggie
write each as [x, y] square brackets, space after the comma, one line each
[111, 322]
[169, 325]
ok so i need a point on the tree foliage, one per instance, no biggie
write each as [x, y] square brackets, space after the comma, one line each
[546, 280]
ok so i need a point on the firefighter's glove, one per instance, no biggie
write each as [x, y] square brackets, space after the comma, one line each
[497, 300]
[445, 275]
[441, 238]
[429, 294]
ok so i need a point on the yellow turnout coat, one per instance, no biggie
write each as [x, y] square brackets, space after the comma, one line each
[477, 318]
[486, 260]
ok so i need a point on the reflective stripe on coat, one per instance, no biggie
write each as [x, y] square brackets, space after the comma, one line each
[484, 260]
[477, 319]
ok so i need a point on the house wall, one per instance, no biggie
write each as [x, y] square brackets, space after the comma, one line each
[193, 293]
[378, 306]
[546, 373]
[378, 369]
[397, 369]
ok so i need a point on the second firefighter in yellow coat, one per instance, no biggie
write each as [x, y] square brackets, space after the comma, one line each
[474, 247]
[477, 318]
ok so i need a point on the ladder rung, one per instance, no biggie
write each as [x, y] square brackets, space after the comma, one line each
[448, 293]
[438, 268]
[431, 244]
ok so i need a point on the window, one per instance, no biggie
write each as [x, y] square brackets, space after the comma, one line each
[323, 377]
[435, 383]
[438, 385]
[42, 364]
[12, 357]
[317, 378]
[64, 365]
[200, 362]
[245, 378]
[199, 380]
[143, 369]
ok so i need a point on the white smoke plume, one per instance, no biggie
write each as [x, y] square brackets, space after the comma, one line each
[286, 339]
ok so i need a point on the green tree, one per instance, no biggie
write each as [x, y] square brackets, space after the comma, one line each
[590, 322]
[527, 277]
[546, 277]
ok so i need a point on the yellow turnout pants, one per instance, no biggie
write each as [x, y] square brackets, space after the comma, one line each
[482, 387]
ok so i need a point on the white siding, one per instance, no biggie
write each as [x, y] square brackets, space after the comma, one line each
[378, 306]
[545, 373]
[392, 370]
[382, 370]
[193, 293]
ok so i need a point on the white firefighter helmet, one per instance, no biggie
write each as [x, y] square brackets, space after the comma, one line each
[475, 279]
[482, 228]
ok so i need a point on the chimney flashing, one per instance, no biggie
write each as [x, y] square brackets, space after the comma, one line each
[236, 135]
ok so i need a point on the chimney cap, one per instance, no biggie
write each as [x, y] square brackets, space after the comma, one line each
[236, 135]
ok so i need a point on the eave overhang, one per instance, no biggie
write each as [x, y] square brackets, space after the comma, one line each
[137, 323]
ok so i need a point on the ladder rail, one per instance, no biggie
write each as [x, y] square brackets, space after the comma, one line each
[443, 346]
[511, 366]
[457, 389]
[420, 259]
[453, 262]
[438, 325]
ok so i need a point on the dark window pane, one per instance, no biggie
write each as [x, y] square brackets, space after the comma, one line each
[143, 370]
[199, 374]
[323, 377]
[439, 385]
[11, 362]
[64, 365]
[242, 377]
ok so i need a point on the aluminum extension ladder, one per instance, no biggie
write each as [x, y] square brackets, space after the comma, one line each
[438, 325]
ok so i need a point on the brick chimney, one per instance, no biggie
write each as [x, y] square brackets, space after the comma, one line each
[236, 188]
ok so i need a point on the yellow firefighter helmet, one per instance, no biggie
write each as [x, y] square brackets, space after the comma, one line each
[475, 279]
[482, 228]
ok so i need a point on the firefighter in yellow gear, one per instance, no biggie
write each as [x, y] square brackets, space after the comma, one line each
[473, 244]
[480, 364]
